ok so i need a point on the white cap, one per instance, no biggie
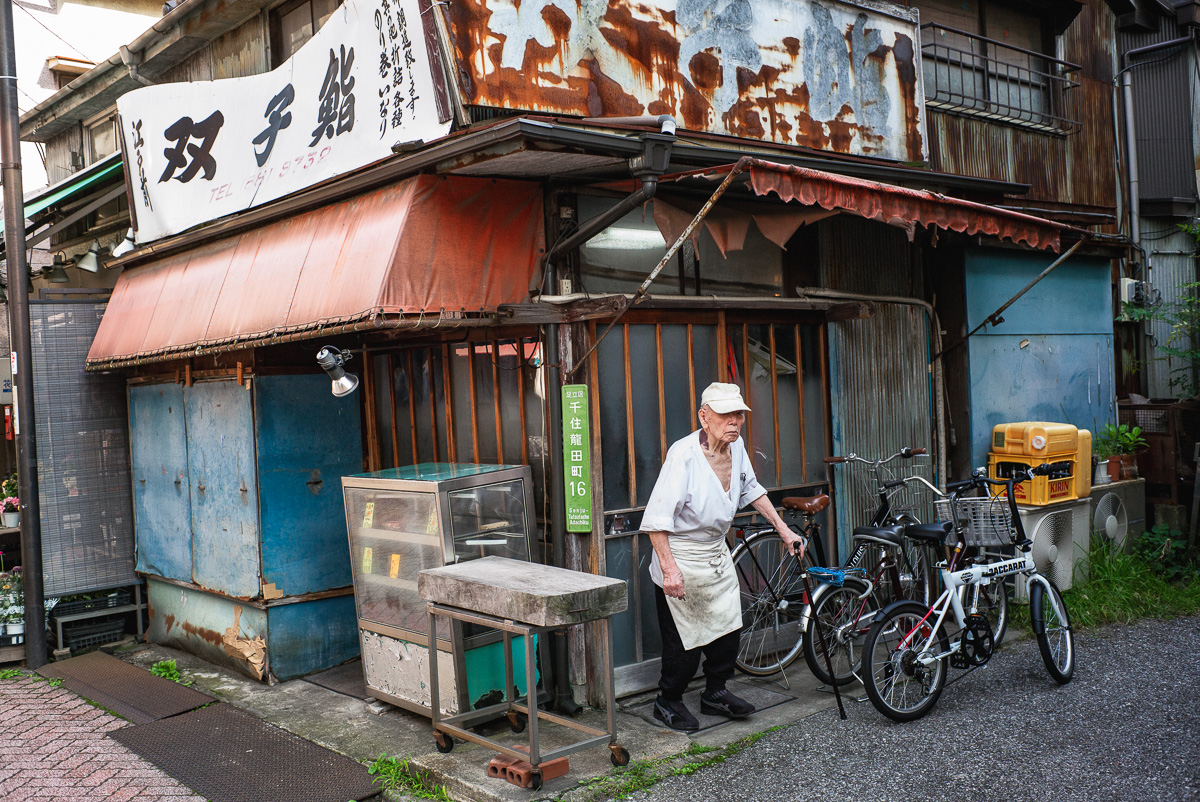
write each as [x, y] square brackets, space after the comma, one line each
[723, 398]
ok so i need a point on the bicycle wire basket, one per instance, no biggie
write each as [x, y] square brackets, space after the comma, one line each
[984, 522]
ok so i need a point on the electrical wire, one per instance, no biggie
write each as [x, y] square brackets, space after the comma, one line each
[54, 34]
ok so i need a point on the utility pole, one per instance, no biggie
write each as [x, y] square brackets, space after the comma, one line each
[18, 327]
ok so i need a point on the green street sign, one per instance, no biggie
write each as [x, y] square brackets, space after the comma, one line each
[577, 457]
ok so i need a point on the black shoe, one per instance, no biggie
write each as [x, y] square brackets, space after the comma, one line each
[724, 703]
[675, 715]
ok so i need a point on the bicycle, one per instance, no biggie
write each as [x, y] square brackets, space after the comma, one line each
[845, 604]
[771, 585]
[908, 648]
[775, 608]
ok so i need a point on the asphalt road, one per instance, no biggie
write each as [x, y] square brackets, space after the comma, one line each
[1126, 728]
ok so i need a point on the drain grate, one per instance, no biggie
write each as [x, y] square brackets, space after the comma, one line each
[230, 756]
[130, 692]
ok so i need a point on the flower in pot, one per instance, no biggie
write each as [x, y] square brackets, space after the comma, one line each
[12, 602]
[11, 511]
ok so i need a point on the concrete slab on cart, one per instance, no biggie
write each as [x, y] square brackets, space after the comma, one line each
[350, 726]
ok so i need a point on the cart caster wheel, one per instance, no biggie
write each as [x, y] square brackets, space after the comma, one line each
[443, 741]
[535, 780]
[619, 755]
[517, 721]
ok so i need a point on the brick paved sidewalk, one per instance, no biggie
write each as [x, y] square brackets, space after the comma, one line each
[53, 746]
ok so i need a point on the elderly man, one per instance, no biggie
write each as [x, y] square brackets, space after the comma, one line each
[705, 479]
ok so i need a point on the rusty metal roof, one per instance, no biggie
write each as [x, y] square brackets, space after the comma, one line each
[425, 248]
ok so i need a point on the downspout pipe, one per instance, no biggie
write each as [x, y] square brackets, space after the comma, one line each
[132, 61]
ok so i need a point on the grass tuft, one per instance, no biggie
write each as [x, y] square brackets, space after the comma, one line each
[1124, 587]
[396, 774]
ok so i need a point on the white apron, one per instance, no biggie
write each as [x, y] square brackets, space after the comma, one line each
[711, 606]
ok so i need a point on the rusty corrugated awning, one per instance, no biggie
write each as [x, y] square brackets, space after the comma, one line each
[426, 247]
[891, 204]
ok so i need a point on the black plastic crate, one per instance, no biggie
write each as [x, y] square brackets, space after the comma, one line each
[117, 598]
[88, 636]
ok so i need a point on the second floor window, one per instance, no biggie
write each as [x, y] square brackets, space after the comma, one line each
[102, 138]
[294, 23]
[986, 59]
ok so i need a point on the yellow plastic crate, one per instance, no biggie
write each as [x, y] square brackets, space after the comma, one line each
[1059, 486]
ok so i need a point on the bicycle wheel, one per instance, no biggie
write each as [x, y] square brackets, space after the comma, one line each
[773, 604]
[917, 577]
[991, 602]
[897, 684]
[1052, 626]
[845, 619]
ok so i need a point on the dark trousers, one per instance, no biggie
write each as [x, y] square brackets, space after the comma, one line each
[679, 665]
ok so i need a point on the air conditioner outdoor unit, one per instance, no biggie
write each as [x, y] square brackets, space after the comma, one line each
[1061, 535]
[1130, 499]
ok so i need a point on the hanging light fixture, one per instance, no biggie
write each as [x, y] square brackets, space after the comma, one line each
[90, 261]
[57, 273]
[127, 245]
[332, 361]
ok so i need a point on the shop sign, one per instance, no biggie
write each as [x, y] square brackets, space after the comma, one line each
[577, 457]
[199, 151]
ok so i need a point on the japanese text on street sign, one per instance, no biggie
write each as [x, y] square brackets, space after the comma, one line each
[199, 151]
[577, 457]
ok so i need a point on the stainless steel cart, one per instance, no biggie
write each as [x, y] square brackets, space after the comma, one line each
[527, 600]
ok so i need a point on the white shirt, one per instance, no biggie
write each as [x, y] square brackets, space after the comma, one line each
[688, 500]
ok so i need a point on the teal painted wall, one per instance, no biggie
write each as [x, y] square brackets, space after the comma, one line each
[1052, 357]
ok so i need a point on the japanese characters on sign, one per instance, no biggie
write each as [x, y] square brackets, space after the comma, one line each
[196, 152]
[577, 457]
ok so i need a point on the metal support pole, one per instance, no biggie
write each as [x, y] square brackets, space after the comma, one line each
[18, 326]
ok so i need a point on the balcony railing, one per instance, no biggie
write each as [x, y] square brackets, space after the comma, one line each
[981, 77]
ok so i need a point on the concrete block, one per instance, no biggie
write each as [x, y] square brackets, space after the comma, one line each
[529, 593]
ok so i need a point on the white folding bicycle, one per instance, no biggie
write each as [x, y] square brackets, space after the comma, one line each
[910, 646]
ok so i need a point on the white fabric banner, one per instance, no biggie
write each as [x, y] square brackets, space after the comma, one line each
[201, 151]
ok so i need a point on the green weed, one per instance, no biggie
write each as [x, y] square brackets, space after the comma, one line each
[393, 773]
[168, 670]
[1154, 580]
[16, 673]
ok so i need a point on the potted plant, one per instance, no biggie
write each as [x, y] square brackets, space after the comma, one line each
[1121, 443]
[11, 512]
[12, 604]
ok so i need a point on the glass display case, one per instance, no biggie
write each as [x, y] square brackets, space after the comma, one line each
[403, 520]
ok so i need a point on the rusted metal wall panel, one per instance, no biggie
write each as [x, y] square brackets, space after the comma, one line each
[241, 52]
[880, 389]
[828, 75]
[1171, 255]
[1076, 169]
[867, 257]
[193, 621]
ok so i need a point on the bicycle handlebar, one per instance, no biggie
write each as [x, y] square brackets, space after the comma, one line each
[904, 453]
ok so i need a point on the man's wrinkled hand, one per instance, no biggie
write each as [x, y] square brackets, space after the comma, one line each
[673, 584]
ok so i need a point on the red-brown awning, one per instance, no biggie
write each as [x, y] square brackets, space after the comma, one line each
[888, 203]
[427, 247]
